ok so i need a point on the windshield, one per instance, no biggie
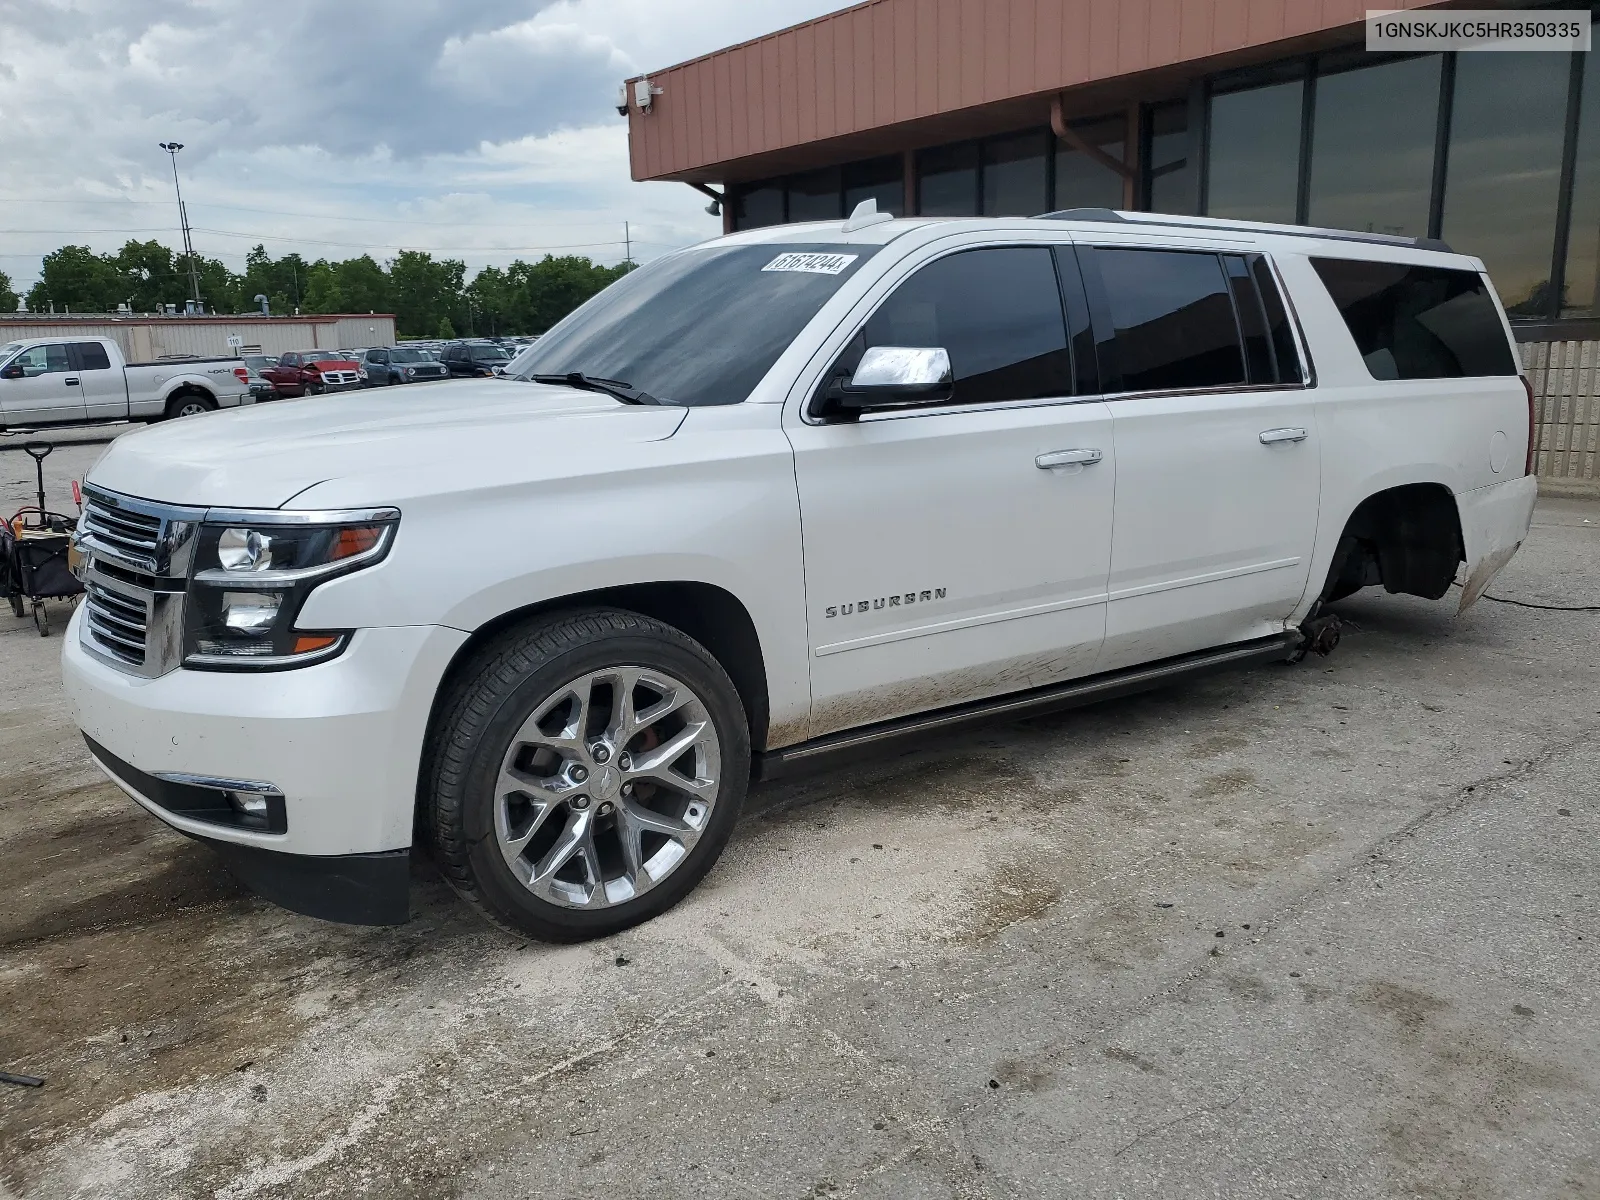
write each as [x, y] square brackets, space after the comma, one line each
[696, 328]
[399, 355]
[8, 350]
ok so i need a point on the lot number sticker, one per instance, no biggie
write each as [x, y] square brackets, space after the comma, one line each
[812, 264]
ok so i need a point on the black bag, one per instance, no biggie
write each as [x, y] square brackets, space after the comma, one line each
[41, 567]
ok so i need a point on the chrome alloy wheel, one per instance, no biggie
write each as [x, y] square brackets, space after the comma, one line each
[192, 408]
[606, 787]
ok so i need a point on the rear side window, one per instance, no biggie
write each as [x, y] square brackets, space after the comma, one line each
[1414, 322]
[92, 356]
[1172, 317]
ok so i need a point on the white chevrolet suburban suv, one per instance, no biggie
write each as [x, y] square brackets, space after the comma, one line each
[790, 492]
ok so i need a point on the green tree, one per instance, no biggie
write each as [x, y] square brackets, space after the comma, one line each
[424, 291]
[446, 330]
[150, 276]
[8, 297]
[76, 278]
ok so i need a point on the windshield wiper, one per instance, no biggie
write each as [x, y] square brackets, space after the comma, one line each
[615, 388]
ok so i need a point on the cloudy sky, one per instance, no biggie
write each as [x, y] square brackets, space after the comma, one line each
[483, 130]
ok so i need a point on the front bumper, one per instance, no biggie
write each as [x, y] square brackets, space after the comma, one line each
[339, 741]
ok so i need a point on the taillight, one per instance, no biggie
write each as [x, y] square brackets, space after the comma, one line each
[241, 374]
[1527, 386]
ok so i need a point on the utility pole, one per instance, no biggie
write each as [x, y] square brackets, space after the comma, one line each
[172, 149]
[627, 241]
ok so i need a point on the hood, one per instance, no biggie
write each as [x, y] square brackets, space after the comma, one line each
[336, 363]
[263, 456]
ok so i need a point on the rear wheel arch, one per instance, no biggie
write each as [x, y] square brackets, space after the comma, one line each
[1407, 538]
[186, 393]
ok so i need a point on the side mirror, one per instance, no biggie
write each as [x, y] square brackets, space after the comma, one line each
[890, 375]
[14, 371]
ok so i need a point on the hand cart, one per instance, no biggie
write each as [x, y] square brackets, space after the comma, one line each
[35, 550]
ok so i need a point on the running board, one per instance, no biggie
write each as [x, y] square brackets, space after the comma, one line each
[1017, 705]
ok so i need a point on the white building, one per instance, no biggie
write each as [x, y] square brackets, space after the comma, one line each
[148, 338]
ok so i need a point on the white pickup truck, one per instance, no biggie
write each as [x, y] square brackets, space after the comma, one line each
[790, 493]
[55, 381]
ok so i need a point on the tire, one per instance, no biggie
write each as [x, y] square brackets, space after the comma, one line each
[583, 852]
[189, 404]
[41, 619]
[312, 389]
[18, 608]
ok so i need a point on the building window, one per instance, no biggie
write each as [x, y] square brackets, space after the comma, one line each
[881, 180]
[1253, 155]
[1580, 293]
[1169, 169]
[1081, 182]
[1372, 143]
[760, 204]
[816, 196]
[947, 181]
[1503, 177]
[1014, 175]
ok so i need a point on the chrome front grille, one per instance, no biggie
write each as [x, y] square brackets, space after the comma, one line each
[340, 378]
[135, 537]
[119, 621]
[137, 556]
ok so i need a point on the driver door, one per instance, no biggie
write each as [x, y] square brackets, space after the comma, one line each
[946, 559]
[47, 389]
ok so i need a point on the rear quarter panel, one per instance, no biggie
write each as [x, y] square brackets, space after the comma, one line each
[1379, 434]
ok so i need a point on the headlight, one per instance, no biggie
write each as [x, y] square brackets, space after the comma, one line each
[252, 577]
[411, 370]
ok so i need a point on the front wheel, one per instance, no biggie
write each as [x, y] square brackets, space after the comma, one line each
[585, 774]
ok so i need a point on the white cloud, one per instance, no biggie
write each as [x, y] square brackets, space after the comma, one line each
[359, 125]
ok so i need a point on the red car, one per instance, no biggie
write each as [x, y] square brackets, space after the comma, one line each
[310, 372]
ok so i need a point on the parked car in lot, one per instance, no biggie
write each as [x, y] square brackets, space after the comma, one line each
[474, 358]
[312, 372]
[1036, 462]
[260, 386]
[387, 365]
[55, 381]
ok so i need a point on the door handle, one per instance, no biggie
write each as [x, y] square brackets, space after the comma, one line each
[1067, 458]
[1269, 436]
[71, 380]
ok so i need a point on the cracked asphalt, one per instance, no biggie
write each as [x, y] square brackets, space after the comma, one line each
[1325, 930]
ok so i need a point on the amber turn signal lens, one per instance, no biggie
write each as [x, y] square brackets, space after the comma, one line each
[305, 645]
[357, 540]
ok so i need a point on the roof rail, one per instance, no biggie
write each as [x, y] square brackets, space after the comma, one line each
[1112, 216]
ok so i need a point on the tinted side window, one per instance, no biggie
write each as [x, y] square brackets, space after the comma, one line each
[998, 315]
[1418, 322]
[1173, 319]
[92, 356]
[1283, 347]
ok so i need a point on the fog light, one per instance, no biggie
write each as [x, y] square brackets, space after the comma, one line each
[250, 613]
[249, 804]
